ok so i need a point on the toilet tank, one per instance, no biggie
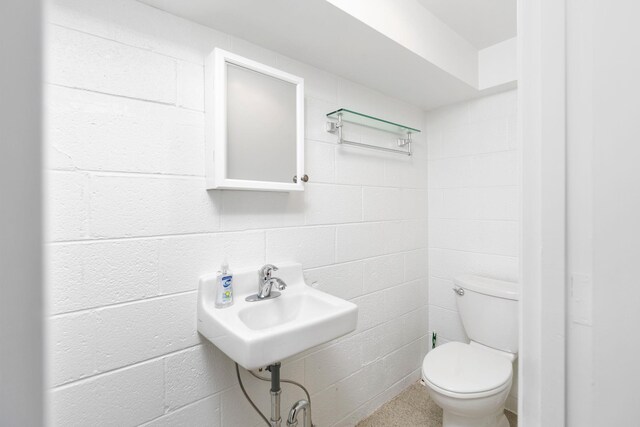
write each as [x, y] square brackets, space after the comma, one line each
[489, 311]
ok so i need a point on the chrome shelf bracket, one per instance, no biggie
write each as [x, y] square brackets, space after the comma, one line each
[336, 127]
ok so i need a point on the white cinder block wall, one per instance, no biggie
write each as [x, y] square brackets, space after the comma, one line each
[132, 229]
[474, 187]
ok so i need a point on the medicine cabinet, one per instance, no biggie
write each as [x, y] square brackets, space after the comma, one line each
[254, 125]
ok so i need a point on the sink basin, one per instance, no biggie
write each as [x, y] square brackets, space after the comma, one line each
[257, 334]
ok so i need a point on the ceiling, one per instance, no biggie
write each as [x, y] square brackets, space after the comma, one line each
[481, 22]
[317, 33]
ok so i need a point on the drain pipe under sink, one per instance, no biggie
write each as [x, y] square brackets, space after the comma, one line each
[275, 394]
[275, 391]
[300, 405]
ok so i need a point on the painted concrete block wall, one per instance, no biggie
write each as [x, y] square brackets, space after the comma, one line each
[131, 230]
[474, 191]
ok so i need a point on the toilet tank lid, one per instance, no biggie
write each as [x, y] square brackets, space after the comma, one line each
[493, 287]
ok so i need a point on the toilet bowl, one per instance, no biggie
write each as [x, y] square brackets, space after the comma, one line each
[471, 382]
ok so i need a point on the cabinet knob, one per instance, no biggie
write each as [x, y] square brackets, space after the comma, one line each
[305, 178]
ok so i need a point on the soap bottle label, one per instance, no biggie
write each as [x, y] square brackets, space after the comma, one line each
[227, 291]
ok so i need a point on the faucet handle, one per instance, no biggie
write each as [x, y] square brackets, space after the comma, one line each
[265, 271]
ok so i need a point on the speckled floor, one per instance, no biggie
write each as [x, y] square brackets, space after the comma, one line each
[413, 408]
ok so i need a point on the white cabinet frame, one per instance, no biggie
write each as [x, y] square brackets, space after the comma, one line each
[216, 123]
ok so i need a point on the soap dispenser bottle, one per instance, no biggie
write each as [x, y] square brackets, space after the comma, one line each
[224, 284]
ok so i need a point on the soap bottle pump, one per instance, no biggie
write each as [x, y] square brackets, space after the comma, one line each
[224, 284]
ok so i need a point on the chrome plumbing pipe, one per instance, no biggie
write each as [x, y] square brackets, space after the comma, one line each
[300, 405]
[276, 420]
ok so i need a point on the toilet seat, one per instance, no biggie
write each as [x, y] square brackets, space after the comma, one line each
[464, 371]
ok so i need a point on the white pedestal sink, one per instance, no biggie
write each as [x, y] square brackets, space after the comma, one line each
[257, 334]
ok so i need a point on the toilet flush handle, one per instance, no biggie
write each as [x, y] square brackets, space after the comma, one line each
[459, 291]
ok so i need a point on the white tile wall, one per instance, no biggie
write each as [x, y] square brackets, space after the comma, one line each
[115, 69]
[201, 413]
[131, 230]
[473, 195]
[129, 396]
[83, 134]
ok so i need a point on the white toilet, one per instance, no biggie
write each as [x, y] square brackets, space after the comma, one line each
[471, 382]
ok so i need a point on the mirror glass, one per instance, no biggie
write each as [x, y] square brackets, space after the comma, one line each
[261, 126]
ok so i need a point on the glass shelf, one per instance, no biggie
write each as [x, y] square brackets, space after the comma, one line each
[370, 121]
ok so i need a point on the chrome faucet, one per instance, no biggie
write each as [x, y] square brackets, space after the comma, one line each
[266, 282]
